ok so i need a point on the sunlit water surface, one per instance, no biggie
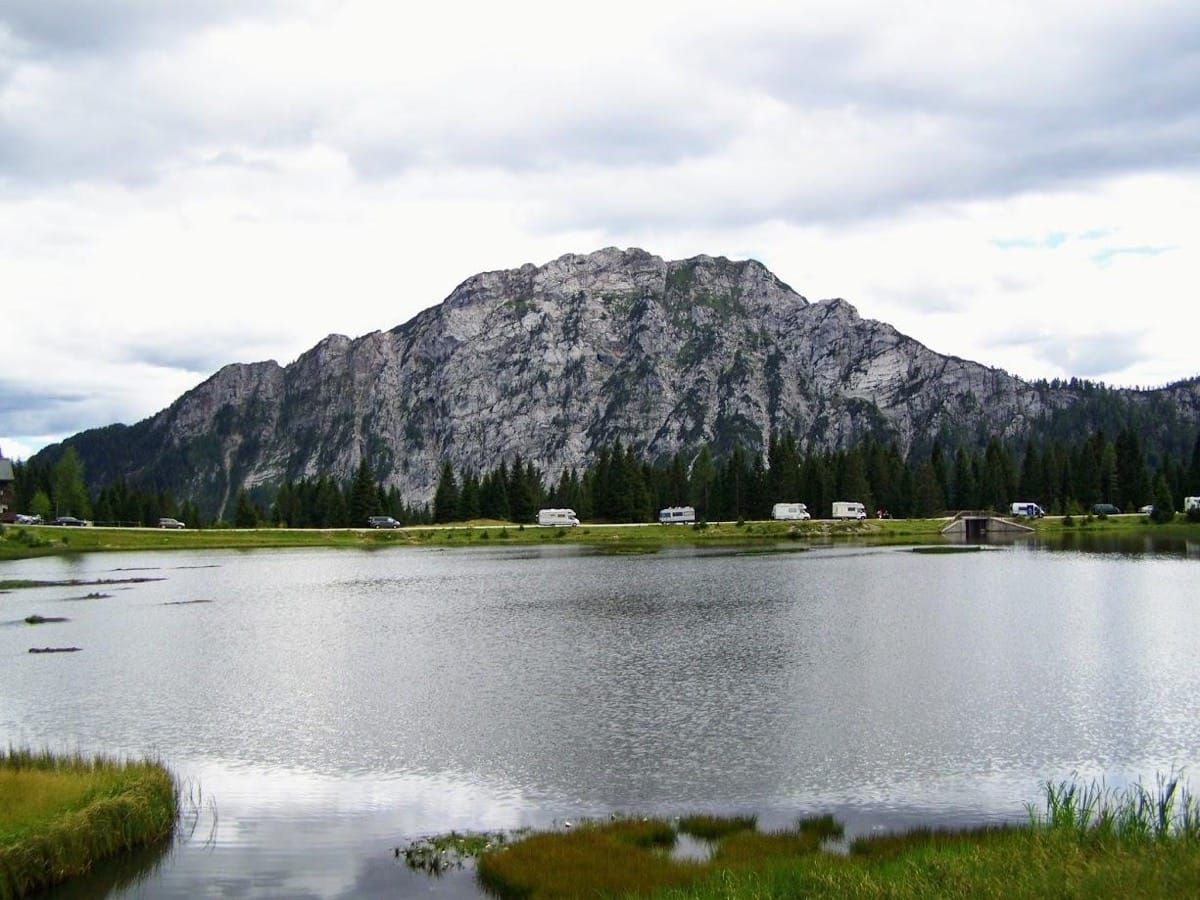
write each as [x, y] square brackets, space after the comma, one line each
[329, 705]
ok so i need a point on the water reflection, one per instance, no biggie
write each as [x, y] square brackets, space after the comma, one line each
[337, 704]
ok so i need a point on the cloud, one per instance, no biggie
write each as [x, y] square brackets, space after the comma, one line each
[1102, 355]
[68, 27]
[27, 409]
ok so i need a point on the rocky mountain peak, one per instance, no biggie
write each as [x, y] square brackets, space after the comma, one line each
[552, 362]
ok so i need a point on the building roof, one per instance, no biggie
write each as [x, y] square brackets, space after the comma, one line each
[6, 470]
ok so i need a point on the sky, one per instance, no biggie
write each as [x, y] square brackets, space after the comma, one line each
[186, 185]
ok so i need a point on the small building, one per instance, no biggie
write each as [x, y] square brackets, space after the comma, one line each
[7, 478]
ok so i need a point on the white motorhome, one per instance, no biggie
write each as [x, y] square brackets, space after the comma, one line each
[1027, 509]
[565, 517]
[849, 510]
[1190, 503]
[674, 515]
[790, 512]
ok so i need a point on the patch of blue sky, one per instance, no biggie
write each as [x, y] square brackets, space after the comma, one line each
[1105, 256]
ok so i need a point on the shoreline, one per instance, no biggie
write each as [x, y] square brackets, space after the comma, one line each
[31, 541]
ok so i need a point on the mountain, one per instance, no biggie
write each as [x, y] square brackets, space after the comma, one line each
[551, 362]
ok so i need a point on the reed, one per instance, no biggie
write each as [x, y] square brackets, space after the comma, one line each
[59, 815]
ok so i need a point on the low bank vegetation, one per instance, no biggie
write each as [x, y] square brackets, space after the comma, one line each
[59, 815]
[1086, 841]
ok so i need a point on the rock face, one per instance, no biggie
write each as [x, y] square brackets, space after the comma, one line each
[552, 362]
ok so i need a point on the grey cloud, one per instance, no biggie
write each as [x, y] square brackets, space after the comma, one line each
[1133, 106]
[28, 408]
[65, 27]
[643, 131]
[200, 352]
[1103, 355]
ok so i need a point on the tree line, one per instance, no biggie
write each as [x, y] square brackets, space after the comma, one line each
[621, 486]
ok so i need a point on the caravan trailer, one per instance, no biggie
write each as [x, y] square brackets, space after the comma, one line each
[565, 517]
[849, 510]
[1027, 509]
[677, 515]
[792, 512]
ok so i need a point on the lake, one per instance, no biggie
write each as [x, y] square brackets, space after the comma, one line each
[326, 706]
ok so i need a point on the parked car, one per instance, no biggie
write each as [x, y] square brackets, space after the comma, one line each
[70, 521]
[382, 522]
[1147, 510]
[22, 519]
[1105, 509]
[167, 522]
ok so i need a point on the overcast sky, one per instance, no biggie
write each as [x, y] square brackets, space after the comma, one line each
[184, 185]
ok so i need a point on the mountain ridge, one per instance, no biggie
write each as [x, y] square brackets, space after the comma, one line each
[551, 362]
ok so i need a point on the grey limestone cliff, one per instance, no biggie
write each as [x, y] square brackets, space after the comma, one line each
[551, 362]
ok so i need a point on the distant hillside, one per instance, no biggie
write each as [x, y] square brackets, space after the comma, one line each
[552, 362]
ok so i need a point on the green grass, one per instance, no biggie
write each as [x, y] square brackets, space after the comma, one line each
[711, 828]
[59, 815]
[17, 543]
[1088, 841]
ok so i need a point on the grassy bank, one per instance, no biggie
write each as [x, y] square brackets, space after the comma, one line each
[59, 815]
[1086, 843]
[20, 542]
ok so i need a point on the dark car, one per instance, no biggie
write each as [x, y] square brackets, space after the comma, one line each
[167, 522]
[69, 520]
[382, 522]
[1105, 509]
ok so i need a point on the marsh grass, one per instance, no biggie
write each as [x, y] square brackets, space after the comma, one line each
[610, 858]
[1136, 813]
[59, 815]
[711, 828]
[1087, 841]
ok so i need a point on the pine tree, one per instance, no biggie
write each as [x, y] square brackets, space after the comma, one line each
[245, 512]
[1164, 504]
[701, 482]
[364, 500]
[445, 498]
[965, 494]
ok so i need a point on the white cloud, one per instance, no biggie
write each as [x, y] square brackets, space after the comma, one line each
[231, 182]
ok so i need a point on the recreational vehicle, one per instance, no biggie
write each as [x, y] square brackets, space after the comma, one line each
[1191, 503]
[849, 510]
[1027, 509]
[565, 517]
[676, 515]
[790, 512]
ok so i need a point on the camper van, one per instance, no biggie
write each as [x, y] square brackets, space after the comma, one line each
[791, 512]
[849, 510]
[1027, 509]
[1191, 503]
[565, 517]
[672, 515]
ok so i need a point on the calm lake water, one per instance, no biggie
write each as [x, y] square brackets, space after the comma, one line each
[327, 706]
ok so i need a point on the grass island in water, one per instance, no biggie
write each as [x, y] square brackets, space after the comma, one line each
[59, 815]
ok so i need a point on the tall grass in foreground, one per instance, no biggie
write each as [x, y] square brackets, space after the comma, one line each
[60, 814]
[1089, 841]
[1136, 813]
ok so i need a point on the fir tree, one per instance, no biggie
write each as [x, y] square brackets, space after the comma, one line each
[445, 498]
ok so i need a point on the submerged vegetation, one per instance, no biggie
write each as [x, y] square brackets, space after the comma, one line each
[1087, 841]
[59, 815]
